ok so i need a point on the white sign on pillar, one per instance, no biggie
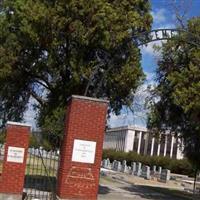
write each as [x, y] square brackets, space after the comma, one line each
[84, 151]
[15, 154]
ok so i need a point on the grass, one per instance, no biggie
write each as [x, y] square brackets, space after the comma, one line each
[38, 166]
[35, 166]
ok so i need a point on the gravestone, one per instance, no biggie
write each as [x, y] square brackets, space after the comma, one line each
[146, 172]
[129, 169]
[159, 169]
[108, 164]
[154, 169]
[133, 168]
[165, 175]
[124, 167]
[138, 169]
[118, 166]
[113, 164]
[104, 163]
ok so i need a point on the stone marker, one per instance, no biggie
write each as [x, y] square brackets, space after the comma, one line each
[124, 167]
[133, 167]
[108, 163]
[165, 175]
[118, 166]
[104, 163]
[154, 169]
[113, 164]
[138, 169]
[159, 169]
[146, 172]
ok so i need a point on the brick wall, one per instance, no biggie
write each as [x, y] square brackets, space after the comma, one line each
[85, 120]
[12, 178]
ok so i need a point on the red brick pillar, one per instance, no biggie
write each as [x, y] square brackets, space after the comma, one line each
[81, 151]
[16, 147]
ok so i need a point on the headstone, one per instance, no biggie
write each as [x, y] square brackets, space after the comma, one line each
[113, 165]
[154, 169]
[159, 170]
[108, 164]
[138, 169]
[133, 167]
[146, 172]
[124, 167]
[104, 163]
[118, 166]
[129, 169]
[165, 175]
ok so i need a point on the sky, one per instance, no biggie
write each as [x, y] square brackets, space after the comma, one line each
[163, 17]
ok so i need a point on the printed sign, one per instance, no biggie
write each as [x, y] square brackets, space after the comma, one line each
[15, 154]
[84, 151]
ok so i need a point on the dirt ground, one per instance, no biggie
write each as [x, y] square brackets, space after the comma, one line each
[120, 186]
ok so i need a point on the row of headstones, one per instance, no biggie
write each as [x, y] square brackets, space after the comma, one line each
[137, 169]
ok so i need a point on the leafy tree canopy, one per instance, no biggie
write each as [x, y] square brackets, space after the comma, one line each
[175, 103]
[49, 50]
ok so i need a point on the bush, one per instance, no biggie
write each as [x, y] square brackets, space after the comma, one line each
[176, 166]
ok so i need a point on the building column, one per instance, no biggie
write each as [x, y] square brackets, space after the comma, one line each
[158, 151]
[165, 147]
[179, 154]
[146, 143]
[152, 146]
[133, 139]
[172, 145]
[139, 142]
[129, 140]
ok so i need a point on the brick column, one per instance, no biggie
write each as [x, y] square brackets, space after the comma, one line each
[81, 150]
[16, 148]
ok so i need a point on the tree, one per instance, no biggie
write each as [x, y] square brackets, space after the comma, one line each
[175, 102]
[50, 50]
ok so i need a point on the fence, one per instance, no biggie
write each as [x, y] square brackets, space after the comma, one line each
[42, 167]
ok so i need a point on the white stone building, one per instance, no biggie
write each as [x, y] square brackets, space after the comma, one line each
[138, 139]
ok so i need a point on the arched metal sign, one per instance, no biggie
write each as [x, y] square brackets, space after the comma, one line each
[164, 34]
[155, 35]
[143, 38]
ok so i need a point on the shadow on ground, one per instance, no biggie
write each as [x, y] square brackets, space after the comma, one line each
[104, 189]
[122, 189]
[42, 183]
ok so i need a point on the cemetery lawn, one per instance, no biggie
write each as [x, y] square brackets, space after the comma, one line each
[117, 186]
[35, 166]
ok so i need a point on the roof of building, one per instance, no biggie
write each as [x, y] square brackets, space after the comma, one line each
[130, 127]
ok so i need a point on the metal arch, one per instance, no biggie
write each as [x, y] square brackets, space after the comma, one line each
[138, 40]
[162, 34]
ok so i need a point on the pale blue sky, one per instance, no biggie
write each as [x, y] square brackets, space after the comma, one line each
[164, 17]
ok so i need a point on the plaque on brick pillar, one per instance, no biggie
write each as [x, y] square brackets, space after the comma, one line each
[15, 154]
[84, 151]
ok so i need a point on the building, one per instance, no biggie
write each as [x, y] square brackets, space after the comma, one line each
[138, 139]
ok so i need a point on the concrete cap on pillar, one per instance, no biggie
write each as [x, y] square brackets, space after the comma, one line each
[17, 124]
[88, 98]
